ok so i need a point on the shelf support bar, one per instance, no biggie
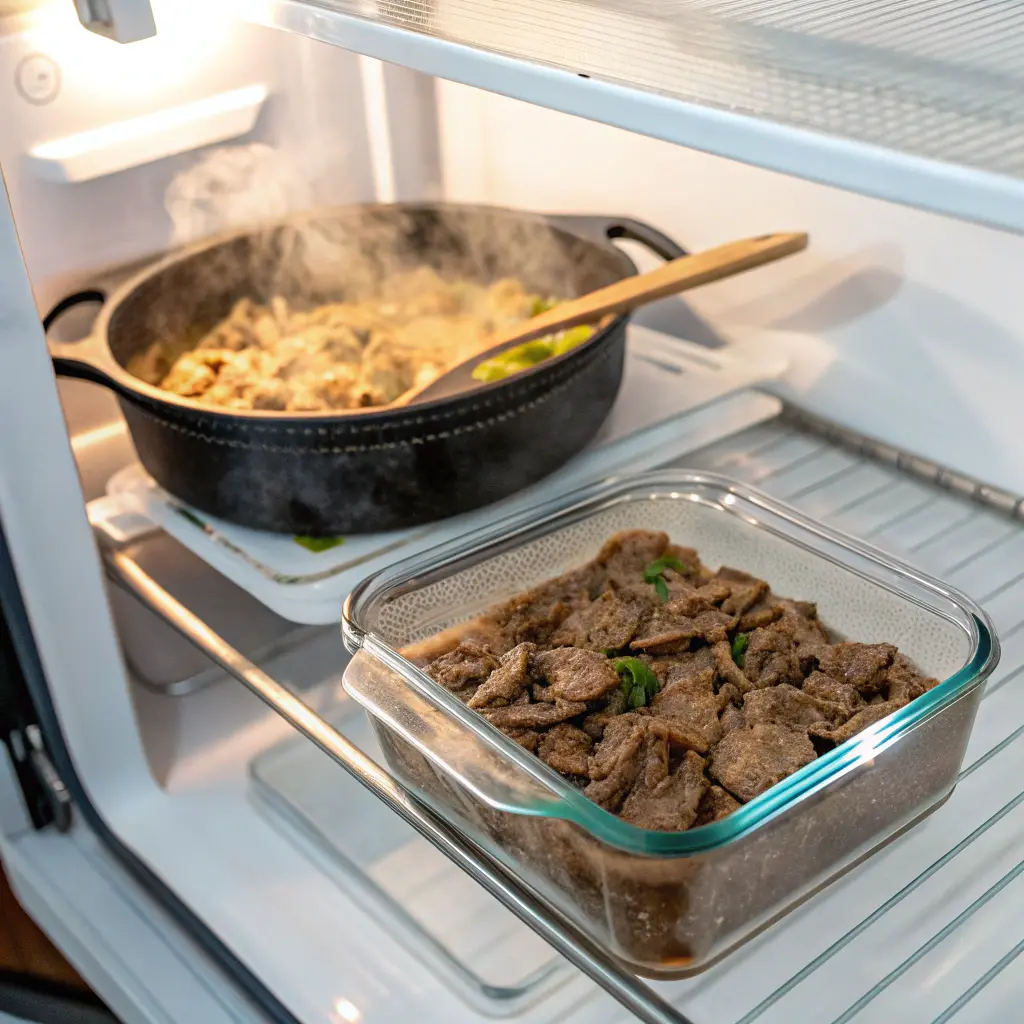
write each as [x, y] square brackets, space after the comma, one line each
[511, 892]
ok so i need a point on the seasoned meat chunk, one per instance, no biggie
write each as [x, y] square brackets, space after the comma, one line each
[800, 619]
[566, 748]
[616, 762]
[462, 668]
[527, 738]
[535, 615]
[863, 666]
[615, 705]
[834, 736]
[786, 705]
[664, 800]
[625, 555]
[744, 590]
[609, 623]
[575, 674]
[678, 622]
[729, 693]
[691, 705]
[751, 760]
[715, 805]
[618, 736]
[905, 683]
[764, 613]
[531, 619]
[731, 718]
[507, 682]
[671, 668]
[824, 687]
[727, 670]
[533, 716]
[771, 658]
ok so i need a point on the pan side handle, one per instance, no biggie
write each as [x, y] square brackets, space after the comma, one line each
[87, 358]
[603, 229]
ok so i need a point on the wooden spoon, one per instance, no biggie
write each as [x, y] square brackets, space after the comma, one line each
[622, 297]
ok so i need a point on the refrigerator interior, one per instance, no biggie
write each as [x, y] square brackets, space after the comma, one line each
[902, 325]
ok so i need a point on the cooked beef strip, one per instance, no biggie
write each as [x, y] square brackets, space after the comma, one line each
[566, 748]
[786, 705]
[616, 762]
[575, 674]
[800, 618]
[618, 736]
[727, 669]
[764, 613]
[535, 615]
[744, 590]
[691, 705]
[528, 738]
[834, 736]
[751, 760]
[663, 800]
[676, 623]
[824, 687]
[533, 716]
[615, 705]
[729, 693]
[507, 682]
[670, 668]
[608, 623]
[731, 718]
[905, 682]
[771, 657]
[861, 665]
[625, 556]
[466, 665]
[715, 805]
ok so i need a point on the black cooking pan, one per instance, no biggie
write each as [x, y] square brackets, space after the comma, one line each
[376, 469]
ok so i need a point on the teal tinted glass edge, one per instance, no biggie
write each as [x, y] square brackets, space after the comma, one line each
[568, 803]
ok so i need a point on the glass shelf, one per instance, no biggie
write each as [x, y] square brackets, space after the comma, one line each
[915, 101]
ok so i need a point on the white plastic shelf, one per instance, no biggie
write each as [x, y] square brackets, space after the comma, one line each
[927, 929]
[915, 101]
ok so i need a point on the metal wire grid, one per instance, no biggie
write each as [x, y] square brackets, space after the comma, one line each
[928, 926]
[935, 78]
[928, 922]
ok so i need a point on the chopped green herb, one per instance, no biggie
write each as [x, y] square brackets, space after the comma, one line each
[654, 573]
[637, 697]
[191, 517]
[639, 683]
[542, 305]
[318, 544]
[739, 648]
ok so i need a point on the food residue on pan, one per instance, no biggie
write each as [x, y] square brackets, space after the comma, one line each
[355, 354]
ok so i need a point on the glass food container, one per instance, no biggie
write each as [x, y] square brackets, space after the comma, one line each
[667, 903]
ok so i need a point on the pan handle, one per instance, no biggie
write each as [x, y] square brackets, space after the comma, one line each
[87, 358]
[604, 229]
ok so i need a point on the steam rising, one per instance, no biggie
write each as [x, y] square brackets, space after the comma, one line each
[229, 187]
[349, 253]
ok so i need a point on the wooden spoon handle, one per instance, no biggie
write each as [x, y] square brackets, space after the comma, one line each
[670, 279]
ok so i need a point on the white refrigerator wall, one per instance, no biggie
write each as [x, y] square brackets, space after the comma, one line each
[58, 80]
[904, 325]
[311, 144]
